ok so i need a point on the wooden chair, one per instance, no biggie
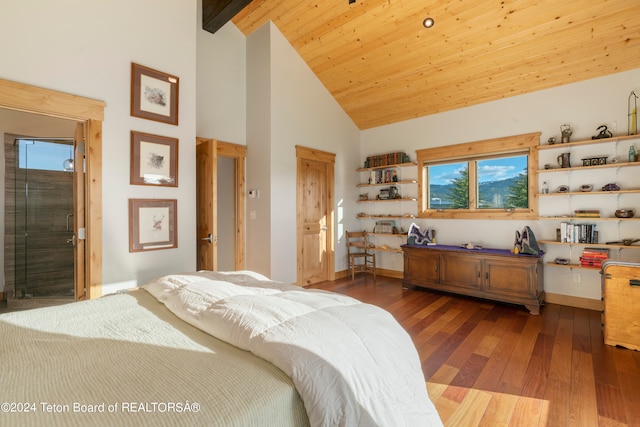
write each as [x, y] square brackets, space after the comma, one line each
[359, 255]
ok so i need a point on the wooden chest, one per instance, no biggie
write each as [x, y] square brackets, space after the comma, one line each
[621, 297]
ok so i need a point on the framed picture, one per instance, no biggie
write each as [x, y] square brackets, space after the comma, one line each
[154, 160]
[154, 95]
[152, 224]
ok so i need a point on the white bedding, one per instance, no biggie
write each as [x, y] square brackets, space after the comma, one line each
[352, 363]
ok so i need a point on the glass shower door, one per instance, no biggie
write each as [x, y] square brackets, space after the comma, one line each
[44, 220]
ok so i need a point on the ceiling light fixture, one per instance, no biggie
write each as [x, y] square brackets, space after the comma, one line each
[428, 22]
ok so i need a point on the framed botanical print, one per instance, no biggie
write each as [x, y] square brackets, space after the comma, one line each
[154, 94]
[152, 224]
[154, 160]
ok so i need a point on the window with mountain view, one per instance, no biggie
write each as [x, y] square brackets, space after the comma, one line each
[496, 179]
[501, 183]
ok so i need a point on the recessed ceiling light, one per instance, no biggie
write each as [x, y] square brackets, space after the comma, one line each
[428, 22]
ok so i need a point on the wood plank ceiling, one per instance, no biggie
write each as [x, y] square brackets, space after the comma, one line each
[383, 66]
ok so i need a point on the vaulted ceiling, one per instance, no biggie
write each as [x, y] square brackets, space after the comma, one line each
[383, 66]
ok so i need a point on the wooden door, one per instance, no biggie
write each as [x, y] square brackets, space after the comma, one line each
[315, 216]
[79, 221]
[206, 166]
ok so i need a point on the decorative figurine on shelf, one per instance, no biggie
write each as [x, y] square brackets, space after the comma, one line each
[604, 133]
[417, 237]
[611, 187]
[566, 133]
[526, 243]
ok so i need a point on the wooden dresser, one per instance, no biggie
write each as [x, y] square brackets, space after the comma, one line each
[493, 274]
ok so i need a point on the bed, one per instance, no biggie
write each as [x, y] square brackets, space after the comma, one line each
[215, 349]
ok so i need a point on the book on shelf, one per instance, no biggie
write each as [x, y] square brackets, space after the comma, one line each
[594, 257]
[595, 253]
[586, 262]
[578, 233]
[587, 213]
[386, 159]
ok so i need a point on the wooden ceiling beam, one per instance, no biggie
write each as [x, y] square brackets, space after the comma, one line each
[216, 13]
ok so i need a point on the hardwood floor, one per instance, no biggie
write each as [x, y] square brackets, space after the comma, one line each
[490, 364]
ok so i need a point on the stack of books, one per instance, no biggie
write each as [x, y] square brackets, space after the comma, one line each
[386, 159]
[593, 257]
[578, 233]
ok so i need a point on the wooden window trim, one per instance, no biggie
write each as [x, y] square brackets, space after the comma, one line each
[524, 144]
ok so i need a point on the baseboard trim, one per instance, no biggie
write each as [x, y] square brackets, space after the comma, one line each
[379, 271]
[571, 301]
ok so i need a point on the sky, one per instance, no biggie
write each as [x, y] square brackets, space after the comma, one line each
[43, 155]
[488, 170]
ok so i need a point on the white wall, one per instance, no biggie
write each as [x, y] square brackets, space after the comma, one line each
[221, 83]
[289, 106]
[259, 154]
[86, 48]
[585, 106]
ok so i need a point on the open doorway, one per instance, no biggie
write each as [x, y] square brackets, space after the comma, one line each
[86, 115]
[220, 205]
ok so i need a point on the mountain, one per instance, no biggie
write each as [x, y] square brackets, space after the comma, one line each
[492, 193]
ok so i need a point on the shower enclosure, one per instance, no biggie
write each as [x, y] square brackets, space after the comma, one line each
[43, 217]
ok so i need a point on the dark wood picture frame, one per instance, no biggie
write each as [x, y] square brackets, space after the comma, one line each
[154, 94]
[154, 160]
[153, 224]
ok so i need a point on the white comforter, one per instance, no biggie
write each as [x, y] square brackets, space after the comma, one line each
[352, 363]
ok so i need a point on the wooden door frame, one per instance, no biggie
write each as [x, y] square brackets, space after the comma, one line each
[238, 153]
[303, 153]
[90, 112]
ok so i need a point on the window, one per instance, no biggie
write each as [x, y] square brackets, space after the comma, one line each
[494, 179]
[45, 155]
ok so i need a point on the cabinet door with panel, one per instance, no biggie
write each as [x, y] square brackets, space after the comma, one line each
[510, 277]
[421, 268]
[461, 270]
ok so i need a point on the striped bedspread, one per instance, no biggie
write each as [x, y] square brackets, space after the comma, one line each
[125, 360]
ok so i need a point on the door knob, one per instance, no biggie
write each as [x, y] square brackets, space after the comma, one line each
[209, 238]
